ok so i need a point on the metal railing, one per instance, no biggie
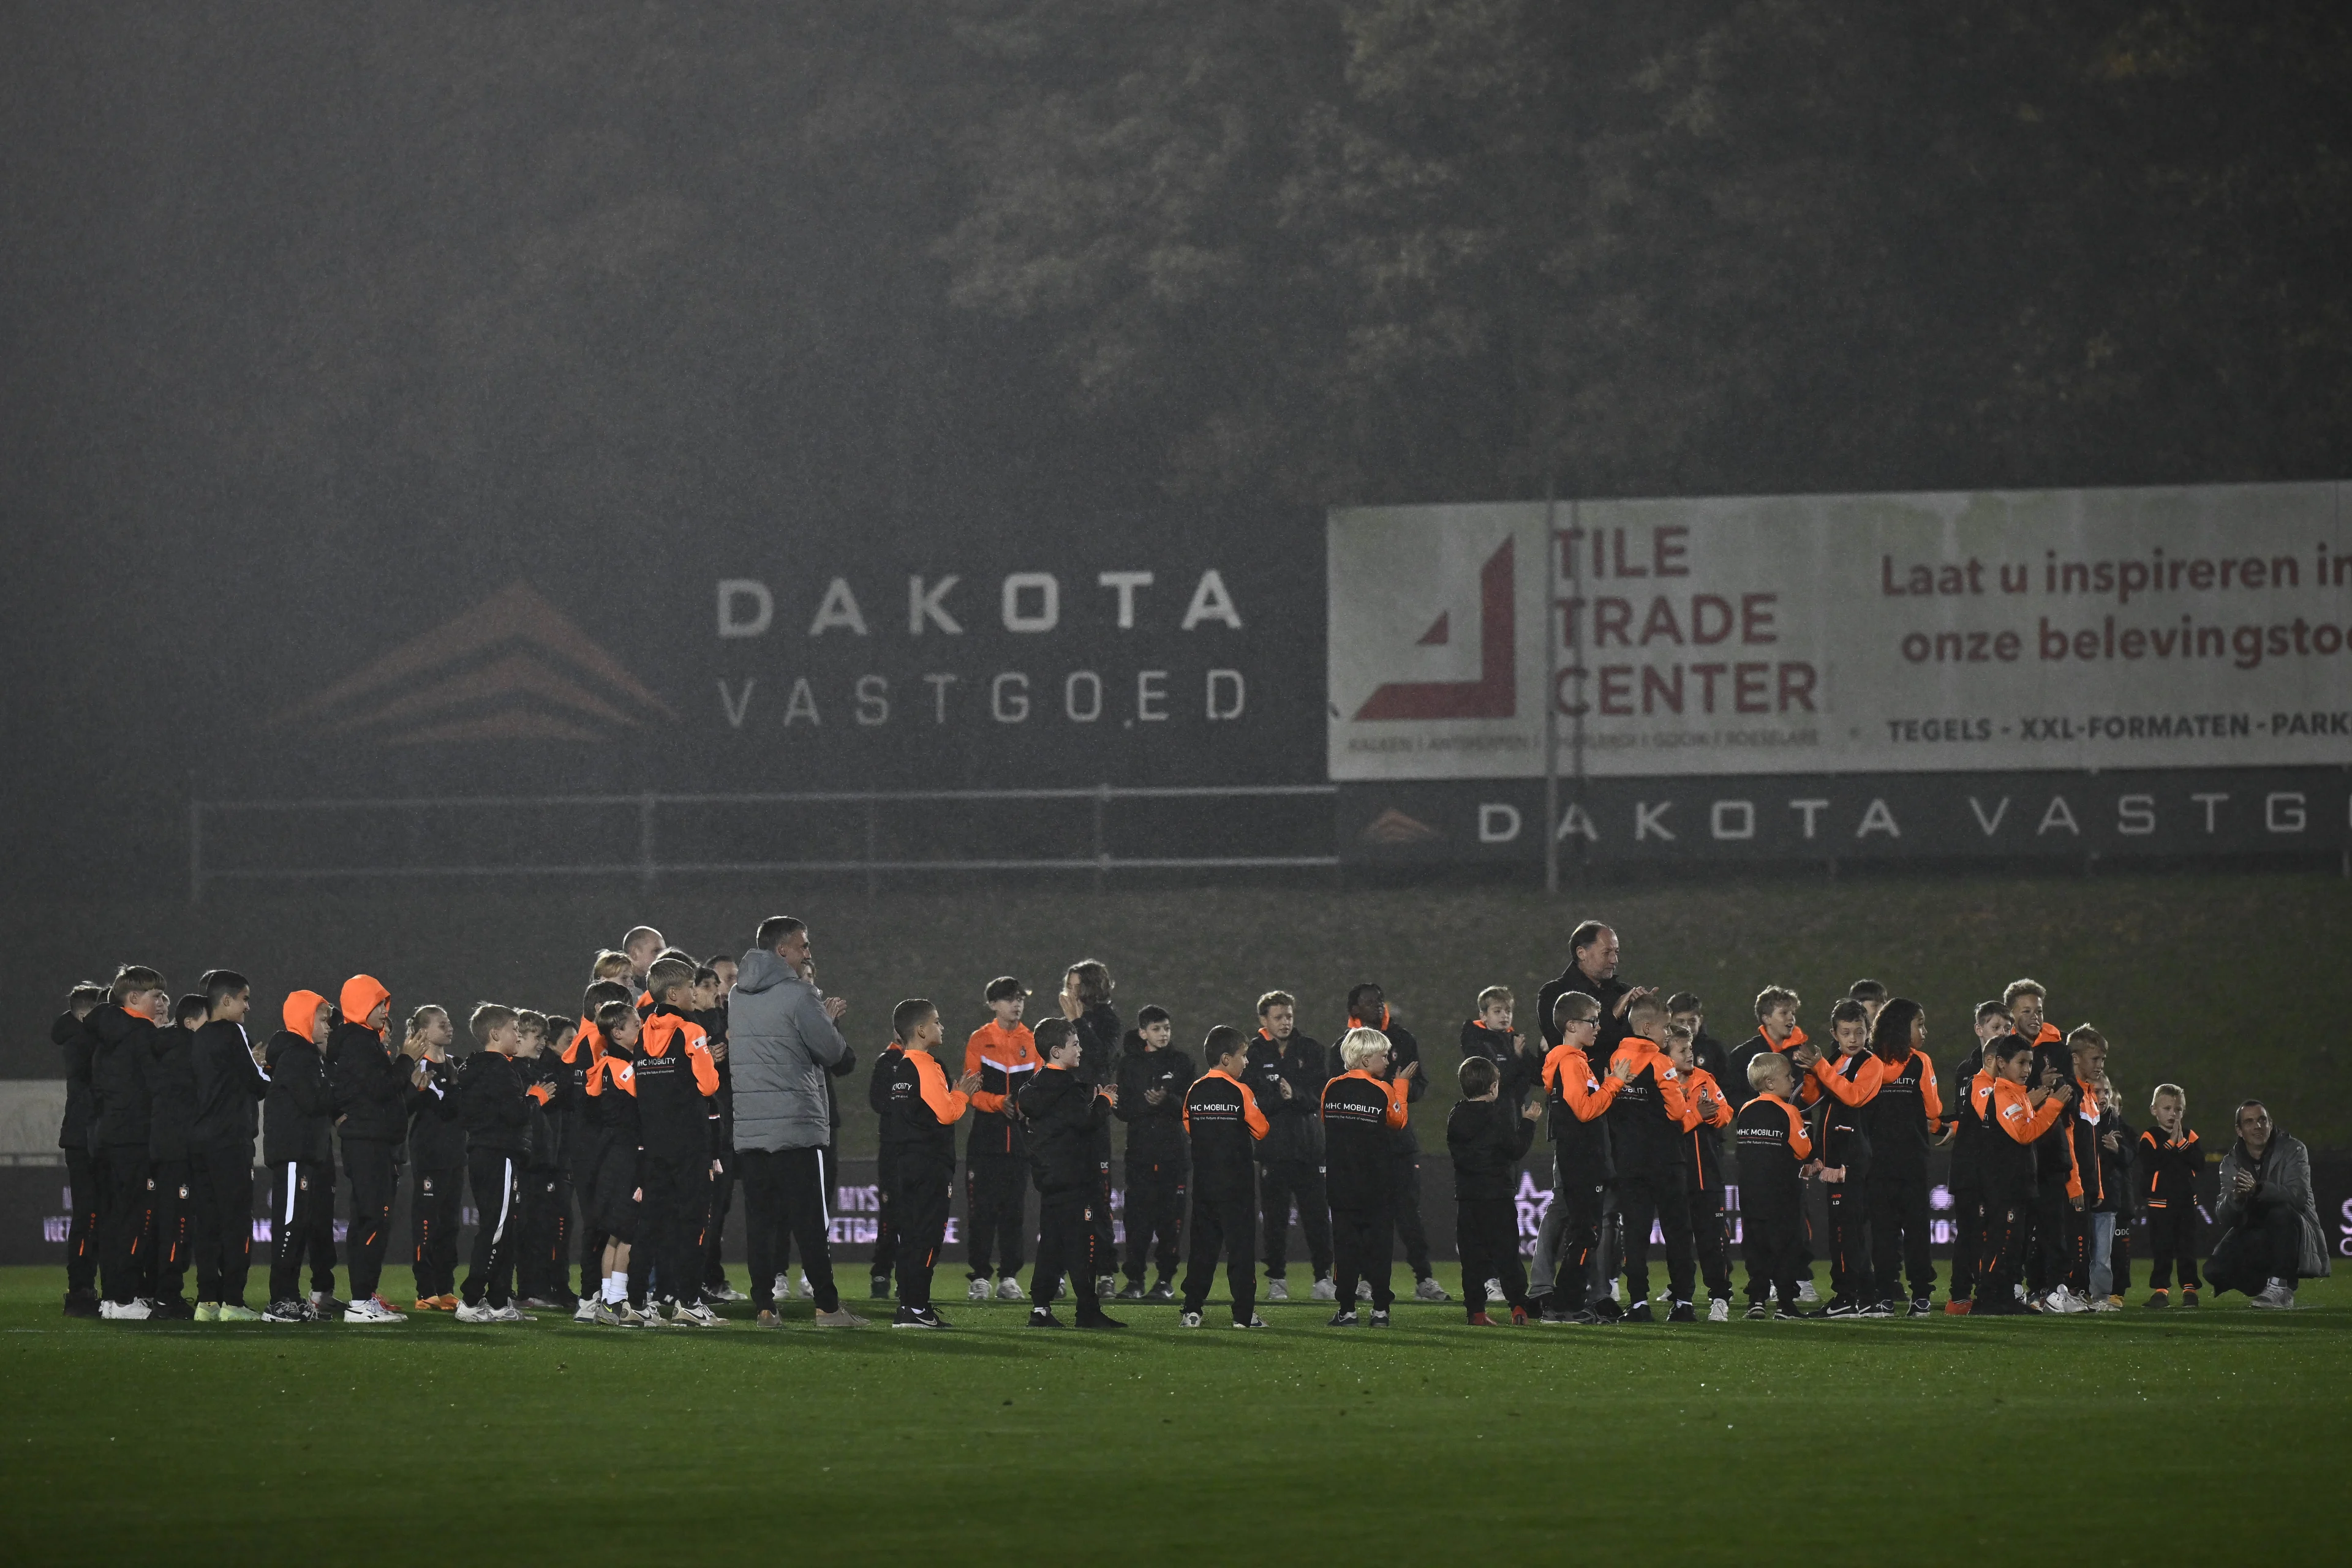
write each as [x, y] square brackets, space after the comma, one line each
[647, 864]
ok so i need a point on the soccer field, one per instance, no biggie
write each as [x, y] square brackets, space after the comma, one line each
[2143, 1437]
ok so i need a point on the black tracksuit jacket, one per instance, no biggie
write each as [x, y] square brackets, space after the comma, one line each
[1845, 1129]
[1613, 1026]
[1225, 1122]
[1521, 1075]
[1155, 1133]
[1487, 1139]
[229, 1089]
[1295, 1133]
[1359, 1112]
[120, 1095]
[370, 1080]
[436, 1132]
[1897, 1119]
[1404, 1050]
[1967, 1140]
[72, 1038]
[1773, 1147]
[490, 1104]
[171, 1093]
[2168, 1168]
[298, 1119]
[911, 1130]
[1064, 1113]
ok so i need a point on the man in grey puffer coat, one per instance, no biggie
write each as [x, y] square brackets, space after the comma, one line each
[782, 1044]
[2271, 1235]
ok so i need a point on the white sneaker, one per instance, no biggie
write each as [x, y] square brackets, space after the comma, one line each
[695, 1317]
[1325, 1289]
[586, 1312]
[2062, 1300]
[509, 1313]
[1106, 1287]
[723, 1294]
[125, 1312]
[370, 1310]
[2278, 1296]
[479, 1312]
[1363, 1289]
[1009, 1289]
[2106, 1304]
[1718, 1310]
[1494, 1290]
[1807, 1294]
[1277, 1289]
[1617, 1291]
[803, 1290]
[783, 1290]
[1430, 1291]
[979, 1291]
[1190, 1320]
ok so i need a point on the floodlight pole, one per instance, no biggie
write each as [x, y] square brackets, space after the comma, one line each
[1551, 687]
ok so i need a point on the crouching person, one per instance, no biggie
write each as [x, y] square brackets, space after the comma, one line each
[2270, 1224]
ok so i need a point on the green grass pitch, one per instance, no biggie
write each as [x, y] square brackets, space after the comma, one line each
[2143, 1437]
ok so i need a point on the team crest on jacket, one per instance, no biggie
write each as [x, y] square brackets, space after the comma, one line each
[184, 1191]
[150, 1183]
[1091, 1210]
[428, 1186]
[304, 1184]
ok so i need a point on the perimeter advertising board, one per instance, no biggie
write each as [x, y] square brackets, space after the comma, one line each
[2065, 671]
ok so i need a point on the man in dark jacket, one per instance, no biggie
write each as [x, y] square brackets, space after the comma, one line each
[229, 1091]
[1487, 1136]
[297, 1145]
[1063, 1114]
[373, 1086]
[1290, 1155]
[1152, 1078]
[70, 1033]
[125, 1031]
[1367, 1007]
[1592, 970]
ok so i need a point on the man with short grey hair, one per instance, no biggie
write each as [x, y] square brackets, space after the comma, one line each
[782, 1043]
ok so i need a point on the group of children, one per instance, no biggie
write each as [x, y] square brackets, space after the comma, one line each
[608, 1139]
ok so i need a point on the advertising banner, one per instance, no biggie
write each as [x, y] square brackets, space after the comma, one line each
[2196, 628]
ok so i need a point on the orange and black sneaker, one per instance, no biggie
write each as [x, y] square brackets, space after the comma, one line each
[2187, 1296]
[428, 1304]
[2159, 1299]
[1957, 1307]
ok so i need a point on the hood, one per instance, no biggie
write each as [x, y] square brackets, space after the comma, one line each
[114, 1025]
[66, 1027]
[1133, 1045]
[761, 970]
[282, 1042]
[363, 994]
[301, 1013]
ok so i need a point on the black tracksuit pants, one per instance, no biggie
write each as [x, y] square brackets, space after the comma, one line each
[922, 1184]
[1155, 1212]
[784, 1197]
[2048, 1262]
[2008, 1232]
[2172, 1242]
[714, 1241]
[885, 1261]
[539, 1251]
[1897, 1201]
[1851, 1275]
[1224, 1223]
[1487, 1236]
[1968, 1233]
[1068, 1241]
[996, 1188]
[1656, 1198]
[497, 1178]
[1711, 1240]
[83, 1196]
[171, 1228]
[1281, 1184]
[1772, 1231]
[301, 1191]
[437, 1211]
[668, 1248]
[122, 1222]
[1573, 1217]
[1410, 1228]
[220, 1223]
[1361, 1240]
[373, 1168]
[2266, 1243]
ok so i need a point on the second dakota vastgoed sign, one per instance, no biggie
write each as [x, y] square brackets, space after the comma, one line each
[2196, 628]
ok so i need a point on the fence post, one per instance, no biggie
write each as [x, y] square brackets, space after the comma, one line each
[645, 837]
[195, 851]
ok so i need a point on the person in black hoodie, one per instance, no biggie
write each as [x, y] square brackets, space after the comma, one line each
[437, 1161]
[70, 1033]
[1290, 1156]
[1518, 1065]
[1086, 988]
[494, 1103]
[546, 1199]
[1846, 1154]
[1151, 1083]
[1907, 1111]
[229, 1091]
[120, 1066]
[169, 1244]
[1367, 1007]
[677, 1125]
[1487, 1136]
[374, 1086]
[297, 1145]
[1225, 1124]
[1967, 1172]
[1063, 1113]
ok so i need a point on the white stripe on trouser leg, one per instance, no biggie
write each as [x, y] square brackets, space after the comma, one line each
[823, 1209]
[291, 1168]
[506, 1195]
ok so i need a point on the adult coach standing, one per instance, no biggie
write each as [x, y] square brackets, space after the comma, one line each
[783, 1046]
[1592, 969]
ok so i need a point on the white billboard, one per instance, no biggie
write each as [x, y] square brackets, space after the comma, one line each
[2209, 626]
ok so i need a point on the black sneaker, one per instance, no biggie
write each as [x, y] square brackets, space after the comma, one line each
[1131, 1291]
[1043, 1318]
[1757, 1312]
[175, 1309]
[1097, 1318]
[1840, 1307]
[1638, 1312]
[1607, 1311]
[1682, 1313]
[1921, 1308]
[1345, 1317]
[1162, 1292]
[81, 1304]
[1789, 1312]
[1379, 1318]
[917, 1317]
[328, 1311]
[880, 1289]
[1879, 1309]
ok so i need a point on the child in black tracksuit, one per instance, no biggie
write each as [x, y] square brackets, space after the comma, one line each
[1225, 1124]
[494, 1104]
[1362, 1109]
[2170, 1160]
[1851, 1080]
[546, 1207]
[298, 1144]
[1775, 1151]
[1488, 1136]
[919, 1112]
[1151, 1083]
[1062, 1115]
[436, 1165]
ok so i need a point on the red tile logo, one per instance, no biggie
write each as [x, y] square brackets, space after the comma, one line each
[1496, 694]
[513, 668]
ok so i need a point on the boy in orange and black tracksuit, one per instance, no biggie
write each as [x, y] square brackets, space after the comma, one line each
[677, 1124]
[883, 1264]
[1774, 1147]
[1359, 1112]
[1708, 1111]
[919, 1112]
[2168, 1163]
[2013, 1124]
[1906, 1109]
[1576, 1106]
[1223, 1126]
[1851, 1079]
[1003, 1052]
[1647, 1136]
